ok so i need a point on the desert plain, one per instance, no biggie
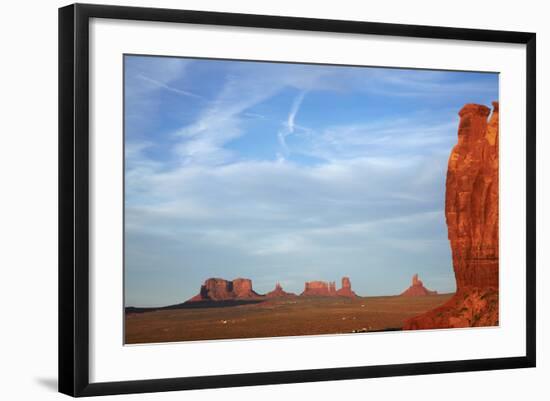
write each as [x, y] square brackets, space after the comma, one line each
[276, 317]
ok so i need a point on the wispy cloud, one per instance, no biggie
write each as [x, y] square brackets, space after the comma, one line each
[222, 119]
[253, 115]
[386, 138]
[411, 83]
[220, 122]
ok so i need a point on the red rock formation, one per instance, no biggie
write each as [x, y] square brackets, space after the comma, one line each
[217, 289]
[471, 210]
[278, 292]
[242, 287]
[319, 288]
[328, 289]
[346, 290]
[417, 289]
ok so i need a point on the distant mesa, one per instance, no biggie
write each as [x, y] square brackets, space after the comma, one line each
[417, 289]
[319, 288]
[328, 289]
[218, 289]
[278, 292]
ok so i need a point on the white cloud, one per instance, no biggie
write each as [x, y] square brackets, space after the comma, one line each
[202, 142]
[221, 120]
[385, 141]
[431, 83]
[257, 197]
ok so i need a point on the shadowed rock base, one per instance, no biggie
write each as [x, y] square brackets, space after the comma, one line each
[471, 211]
[472, 307]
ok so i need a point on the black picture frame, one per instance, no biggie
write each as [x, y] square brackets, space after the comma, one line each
[74, 198]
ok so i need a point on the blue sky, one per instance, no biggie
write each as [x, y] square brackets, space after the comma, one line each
[288, 173]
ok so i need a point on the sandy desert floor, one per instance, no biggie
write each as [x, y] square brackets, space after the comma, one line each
[278, 317]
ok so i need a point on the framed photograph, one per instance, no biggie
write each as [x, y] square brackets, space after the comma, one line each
[252, 199]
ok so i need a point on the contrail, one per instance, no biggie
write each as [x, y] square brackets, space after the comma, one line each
[159, 84]
[294, 110]
[281, 135]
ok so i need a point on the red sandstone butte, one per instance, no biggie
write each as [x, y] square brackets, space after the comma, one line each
[319, 288]
[471, 210]
[218, 289]
[328, 289]
[278, 292]
[346, 290]
[417, 289]
[242, 287]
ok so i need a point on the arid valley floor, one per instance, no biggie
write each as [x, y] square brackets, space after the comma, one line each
[277, 317]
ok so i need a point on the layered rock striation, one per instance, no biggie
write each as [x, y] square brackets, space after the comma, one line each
[472, 215]
[417, 289]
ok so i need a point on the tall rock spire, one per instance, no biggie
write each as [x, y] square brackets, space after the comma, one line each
[471, 202]
[471, 211]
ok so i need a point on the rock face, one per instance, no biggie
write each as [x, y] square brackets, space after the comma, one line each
[242, 287]
[417, 289]
[217, 289]
[471, 204]
[278, 292]
[471, 210]
[328, 289]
